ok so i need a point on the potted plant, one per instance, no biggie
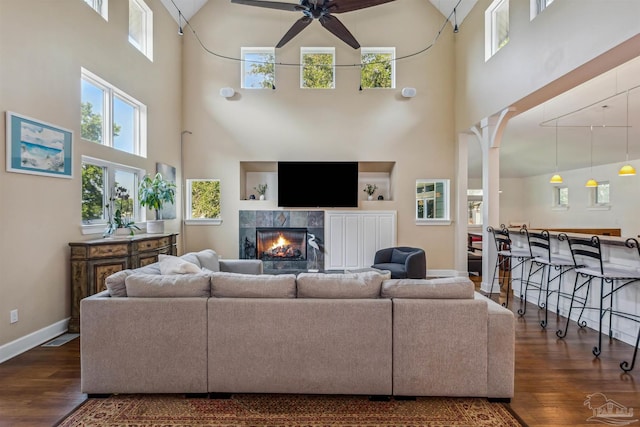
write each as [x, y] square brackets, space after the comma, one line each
[154, 193]
[261, 189]
[370, 189]
[121, 218]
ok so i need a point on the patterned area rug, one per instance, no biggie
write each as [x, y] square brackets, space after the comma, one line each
[287, 410]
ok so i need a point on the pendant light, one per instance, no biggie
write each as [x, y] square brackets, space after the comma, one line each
[627, 169]
[591, 182]
[556, 179]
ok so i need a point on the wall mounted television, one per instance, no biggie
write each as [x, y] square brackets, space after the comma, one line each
[318, 184]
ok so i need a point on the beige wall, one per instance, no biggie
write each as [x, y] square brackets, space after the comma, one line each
[566, 36]
[341, 124]
[43, 44]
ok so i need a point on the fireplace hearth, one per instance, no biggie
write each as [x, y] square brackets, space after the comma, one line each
[281, 244]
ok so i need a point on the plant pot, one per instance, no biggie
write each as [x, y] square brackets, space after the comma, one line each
[122, 232]
[155, 227]
[262, 197]
[370, 197]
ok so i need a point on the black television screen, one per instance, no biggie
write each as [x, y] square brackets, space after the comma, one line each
[318, 184]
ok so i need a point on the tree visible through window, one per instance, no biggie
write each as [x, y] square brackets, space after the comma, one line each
[204, 199]
[378, 68]
[318, 68]
[258, 68]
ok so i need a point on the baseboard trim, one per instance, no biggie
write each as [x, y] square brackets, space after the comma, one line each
[34, 339]
[446, 273]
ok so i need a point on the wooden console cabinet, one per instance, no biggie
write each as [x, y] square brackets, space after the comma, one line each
[93, 260]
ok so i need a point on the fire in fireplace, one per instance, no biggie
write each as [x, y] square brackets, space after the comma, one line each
[275, 244]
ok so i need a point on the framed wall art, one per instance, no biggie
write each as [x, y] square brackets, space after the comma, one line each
[37, 147]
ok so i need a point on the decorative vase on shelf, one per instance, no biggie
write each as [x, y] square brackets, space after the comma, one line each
[262, 197]
[380, 197]
[370, 197]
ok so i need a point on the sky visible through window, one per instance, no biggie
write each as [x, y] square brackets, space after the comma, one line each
[123, 115]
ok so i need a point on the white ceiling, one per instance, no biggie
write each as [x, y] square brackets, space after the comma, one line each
[527, 148]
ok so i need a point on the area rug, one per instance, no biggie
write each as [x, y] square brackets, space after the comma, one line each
[287, 410]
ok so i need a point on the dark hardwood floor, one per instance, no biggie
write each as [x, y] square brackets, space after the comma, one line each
[552, 381]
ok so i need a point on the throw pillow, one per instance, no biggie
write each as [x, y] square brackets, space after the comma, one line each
[170, 264]
[235, 285]
[339, 285]
[172, 286]
[442, 288]
[399, 257]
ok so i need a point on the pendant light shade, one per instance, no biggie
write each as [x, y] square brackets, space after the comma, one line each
[556, 179]
[591, 183]
[627, 169]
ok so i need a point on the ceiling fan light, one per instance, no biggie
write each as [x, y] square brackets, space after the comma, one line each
[627, 170]
[555, 179]
[591, 183]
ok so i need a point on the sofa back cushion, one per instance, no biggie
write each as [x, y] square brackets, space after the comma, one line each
[236, 285]
[339, 285]
[168, 286]
[208, 259]
[442, 288]
[115, 283]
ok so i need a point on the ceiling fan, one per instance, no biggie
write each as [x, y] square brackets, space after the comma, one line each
[321, 10]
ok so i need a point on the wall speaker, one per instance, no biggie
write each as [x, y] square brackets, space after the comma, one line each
[227, 92]
[408, 92]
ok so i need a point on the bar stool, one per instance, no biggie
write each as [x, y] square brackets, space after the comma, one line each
[587, 257]
[545, 260]
[624, 365]
[506, 254]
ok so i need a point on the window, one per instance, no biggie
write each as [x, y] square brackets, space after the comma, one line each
[378, 68]
[111, 117]
[107, 188]
[318, 68]
[100, 6]
[141, 27]
[432, 201]
[560, 198]
[474, 207]
[258, 67]
[203, 201]
[537, 6]
[496, 20]
[599, 196]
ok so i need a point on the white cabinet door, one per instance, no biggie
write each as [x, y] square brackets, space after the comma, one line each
[354, 237]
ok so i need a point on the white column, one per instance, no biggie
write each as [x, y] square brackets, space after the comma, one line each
[461, 223]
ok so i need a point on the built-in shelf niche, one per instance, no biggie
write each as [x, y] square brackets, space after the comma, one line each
[254, 173]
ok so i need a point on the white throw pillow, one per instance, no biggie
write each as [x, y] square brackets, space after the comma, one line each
[170, 264]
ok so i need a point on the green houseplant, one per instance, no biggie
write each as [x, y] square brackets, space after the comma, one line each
[154, 193]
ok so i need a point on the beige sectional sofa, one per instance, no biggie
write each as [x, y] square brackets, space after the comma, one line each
[239, 331]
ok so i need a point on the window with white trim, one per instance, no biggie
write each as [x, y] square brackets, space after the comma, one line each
[432, 201]
[599, 196]
[496, 27]
[141, 27]
[378, 67]
[560, 197]
[100, 6]
[203, 201]
[106, 189]
[318, 67]
[474, 206]
[258, 67]
[111, 117]
[537, 6]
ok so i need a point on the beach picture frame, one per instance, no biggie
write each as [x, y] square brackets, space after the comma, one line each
[38, 148]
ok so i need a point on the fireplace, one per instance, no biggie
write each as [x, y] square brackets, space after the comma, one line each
[281, 244]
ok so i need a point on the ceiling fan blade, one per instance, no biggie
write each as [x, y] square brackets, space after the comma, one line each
[270, 5]
[339, 30]
[295, 29]
[341, 6]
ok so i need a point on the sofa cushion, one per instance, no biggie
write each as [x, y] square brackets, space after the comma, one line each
[442, 288]
[115, 283]
[170, 264]
[236, 285]
[168, 286]
[339, 285]
[399, 257]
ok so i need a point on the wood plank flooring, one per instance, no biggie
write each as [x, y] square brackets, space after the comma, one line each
[552, 380]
